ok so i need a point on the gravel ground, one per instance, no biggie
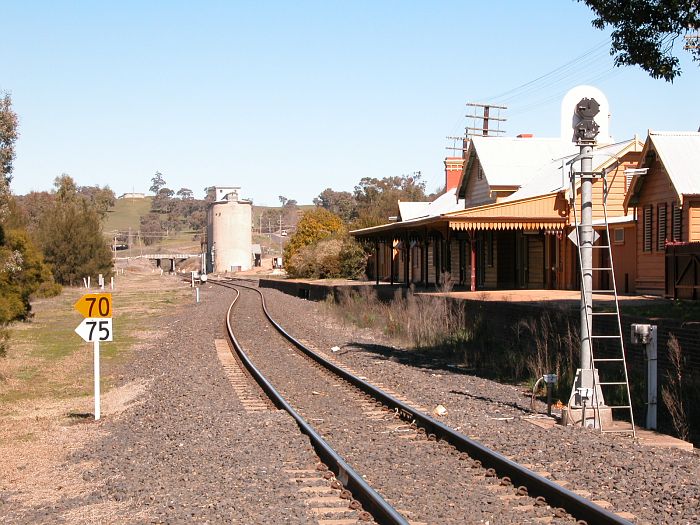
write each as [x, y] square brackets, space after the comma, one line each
[425, 481]
[655, 485]
[187, 452]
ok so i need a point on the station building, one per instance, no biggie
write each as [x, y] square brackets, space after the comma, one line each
[506, 219]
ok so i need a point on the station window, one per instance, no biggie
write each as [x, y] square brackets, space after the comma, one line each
[619, 236]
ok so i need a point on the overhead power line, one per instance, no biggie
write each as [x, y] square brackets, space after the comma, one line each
[573, 64]
[586, 67]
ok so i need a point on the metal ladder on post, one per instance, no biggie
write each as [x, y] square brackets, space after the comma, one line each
[613, 374]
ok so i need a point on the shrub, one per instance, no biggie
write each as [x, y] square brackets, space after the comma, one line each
[353, 259]
[328, 259]
[321, 249]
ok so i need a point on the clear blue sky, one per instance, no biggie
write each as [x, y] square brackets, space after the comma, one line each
[289, 98]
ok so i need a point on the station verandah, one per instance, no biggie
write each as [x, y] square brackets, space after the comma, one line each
[474, 259]
[485, 256]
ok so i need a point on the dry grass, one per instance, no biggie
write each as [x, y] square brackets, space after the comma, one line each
[417, 321]
[38, 437]
[672, 392]
[46, 387]
[548, 343]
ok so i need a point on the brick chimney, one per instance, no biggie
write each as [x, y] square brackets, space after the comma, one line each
[453, 171]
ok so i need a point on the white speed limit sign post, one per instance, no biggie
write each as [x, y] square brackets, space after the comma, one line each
[96, 327]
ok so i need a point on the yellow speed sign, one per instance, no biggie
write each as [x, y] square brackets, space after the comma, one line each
[95, 305]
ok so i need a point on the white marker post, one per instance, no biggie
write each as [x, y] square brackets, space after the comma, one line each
[94, 329]
[96, 375]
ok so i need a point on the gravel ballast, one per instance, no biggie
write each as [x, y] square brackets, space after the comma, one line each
[188, 452]
[426, 481]
[655, 485]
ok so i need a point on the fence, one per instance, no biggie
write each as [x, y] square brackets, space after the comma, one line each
[683, 270]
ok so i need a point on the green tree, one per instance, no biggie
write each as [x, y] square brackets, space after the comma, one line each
[185, 193]
[377, 199]
[151, 229]
[23, 273]
[22, 269]
[342, 203]
[157, 182]
[314, 226]
[353, 259]
[70, 235]
[645, 32]
[163, 201]
[8, 137]
[101, 198]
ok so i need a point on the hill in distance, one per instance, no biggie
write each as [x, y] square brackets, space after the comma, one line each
[126, 214]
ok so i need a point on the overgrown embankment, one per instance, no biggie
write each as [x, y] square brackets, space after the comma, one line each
[518, 342]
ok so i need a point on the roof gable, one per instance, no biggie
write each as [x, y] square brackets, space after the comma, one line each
[680, 154]
[554, 175]
[512, 161]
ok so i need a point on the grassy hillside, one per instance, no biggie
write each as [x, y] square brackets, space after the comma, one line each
[126, 214]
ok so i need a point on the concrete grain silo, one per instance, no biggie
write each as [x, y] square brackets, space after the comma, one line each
[229, 234]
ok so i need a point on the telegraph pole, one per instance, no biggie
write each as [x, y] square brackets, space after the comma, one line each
[486, 129]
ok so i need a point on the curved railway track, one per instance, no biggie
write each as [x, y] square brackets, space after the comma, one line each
[452, 480]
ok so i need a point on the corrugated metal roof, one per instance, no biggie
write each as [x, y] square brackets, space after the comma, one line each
[554, 176]
[412, 210]
[680, 154]
[512, 161]
[622, 219]
[445, 203]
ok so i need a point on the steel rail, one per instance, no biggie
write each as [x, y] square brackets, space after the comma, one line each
[371, 501]
[554, 494]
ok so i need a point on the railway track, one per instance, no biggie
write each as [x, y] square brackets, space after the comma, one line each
[425, 471]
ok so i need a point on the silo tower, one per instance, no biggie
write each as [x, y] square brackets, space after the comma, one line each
[229, 231]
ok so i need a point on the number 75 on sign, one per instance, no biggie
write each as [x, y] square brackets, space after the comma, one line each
[95, 329]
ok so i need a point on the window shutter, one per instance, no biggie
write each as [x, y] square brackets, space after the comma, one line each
[661, 230]
[647, 228]
[676, 223]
